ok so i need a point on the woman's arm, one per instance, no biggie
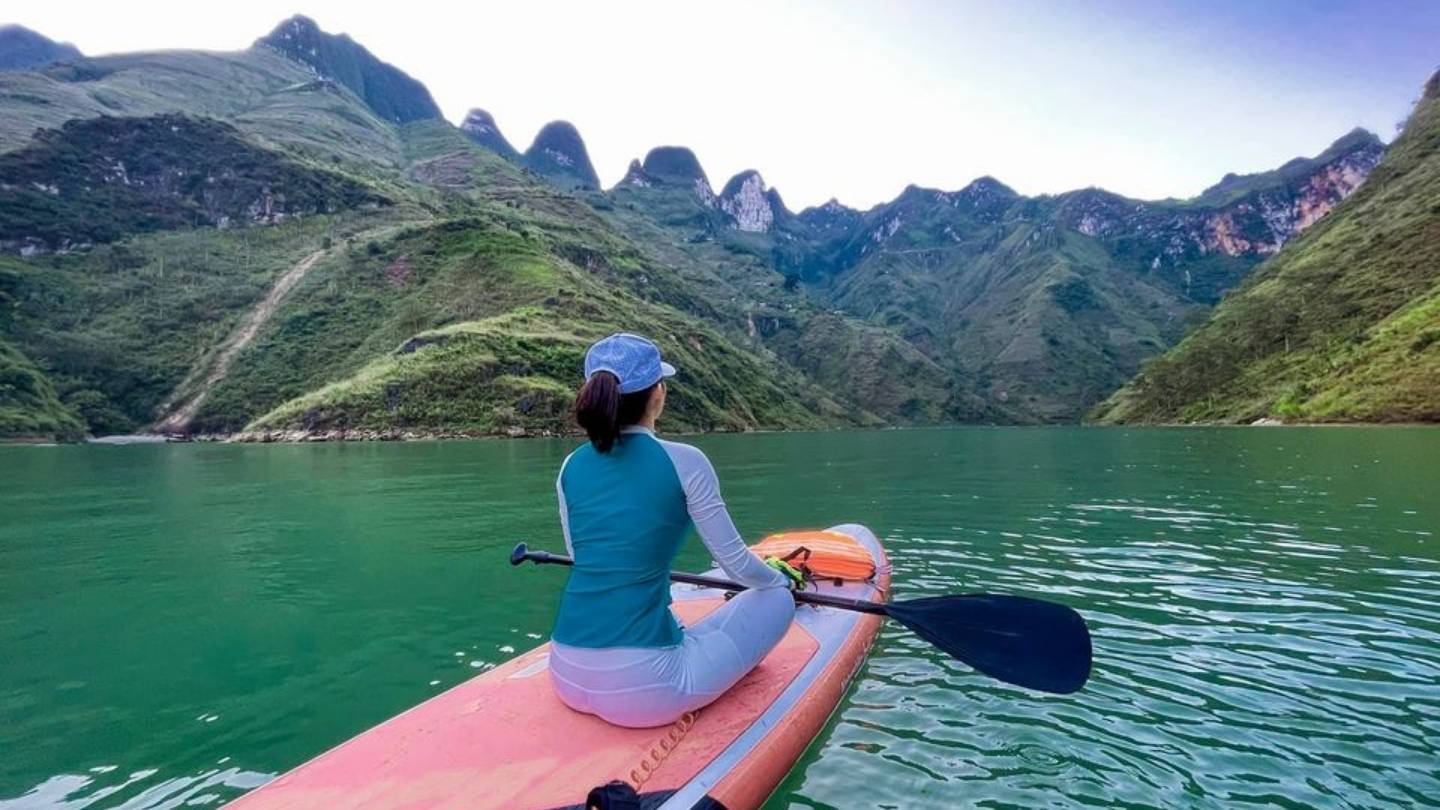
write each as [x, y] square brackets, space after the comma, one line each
[564, 513]
[712, 520]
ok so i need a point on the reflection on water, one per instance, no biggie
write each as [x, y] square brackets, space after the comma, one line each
[74, 791]
[180, 623]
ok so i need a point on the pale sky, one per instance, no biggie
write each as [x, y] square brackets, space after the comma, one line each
[856, 100]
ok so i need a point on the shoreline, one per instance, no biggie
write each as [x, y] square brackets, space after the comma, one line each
[358, 435]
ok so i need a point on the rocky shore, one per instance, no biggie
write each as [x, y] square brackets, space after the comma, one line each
[371, 435]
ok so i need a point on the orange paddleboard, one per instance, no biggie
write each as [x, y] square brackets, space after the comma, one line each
[503, 740]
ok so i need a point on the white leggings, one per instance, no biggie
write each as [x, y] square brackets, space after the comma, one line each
[641, 687]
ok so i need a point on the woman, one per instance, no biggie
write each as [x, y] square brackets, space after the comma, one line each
[627, 501]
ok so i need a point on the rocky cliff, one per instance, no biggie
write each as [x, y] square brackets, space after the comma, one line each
[1249, 217]
[754, 207]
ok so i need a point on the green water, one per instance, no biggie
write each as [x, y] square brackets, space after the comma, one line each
[178, 623]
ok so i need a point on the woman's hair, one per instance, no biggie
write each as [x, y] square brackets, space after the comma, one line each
[602, 410]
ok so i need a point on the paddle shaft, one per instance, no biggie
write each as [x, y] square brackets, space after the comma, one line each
[522, 554]
[1027, 642]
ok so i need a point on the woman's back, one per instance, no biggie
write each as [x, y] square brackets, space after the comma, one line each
[627, 501]
[625, 518]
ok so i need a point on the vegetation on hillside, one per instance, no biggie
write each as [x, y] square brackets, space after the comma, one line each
[96, 180]
[1342, 325]
[29, 405]
[518, 370]
[735, 273]
[117, 327]
[476, 324]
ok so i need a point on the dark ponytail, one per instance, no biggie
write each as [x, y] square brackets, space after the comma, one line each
[603, 411]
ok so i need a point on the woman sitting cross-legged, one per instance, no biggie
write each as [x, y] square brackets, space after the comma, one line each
[627, 502]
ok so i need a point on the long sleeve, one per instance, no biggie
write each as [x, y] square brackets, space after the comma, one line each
[712, 520]
[564, 513]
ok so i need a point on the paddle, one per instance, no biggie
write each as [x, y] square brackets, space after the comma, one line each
[1038, 645]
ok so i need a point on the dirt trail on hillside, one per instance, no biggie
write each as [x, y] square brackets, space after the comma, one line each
[185, 401]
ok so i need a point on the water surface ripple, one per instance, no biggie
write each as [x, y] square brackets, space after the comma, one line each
[181, 623]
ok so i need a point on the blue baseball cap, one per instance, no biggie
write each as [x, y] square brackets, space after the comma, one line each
[633, 360]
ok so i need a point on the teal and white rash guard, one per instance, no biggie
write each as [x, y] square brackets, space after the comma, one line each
[625, 515]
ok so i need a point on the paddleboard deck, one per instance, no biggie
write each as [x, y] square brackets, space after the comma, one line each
[503, 740]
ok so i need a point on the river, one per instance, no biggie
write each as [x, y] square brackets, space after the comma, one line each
[179, 623]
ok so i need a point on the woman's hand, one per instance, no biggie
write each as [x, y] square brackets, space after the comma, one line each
[793, 576]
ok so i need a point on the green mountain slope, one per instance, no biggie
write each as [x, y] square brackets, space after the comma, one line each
[98, 179]
[1342, 325]
[29, 405]
[478, 325]
[668, 210]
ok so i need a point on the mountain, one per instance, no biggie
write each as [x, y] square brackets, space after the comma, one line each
[754, 207]
[558, 155]
[23, 49]
[246, 242]
[1034, 309]
[1341, 325]
[675, 164]
[285, 242]
[480, 127]
[389, 91]
[666, 204]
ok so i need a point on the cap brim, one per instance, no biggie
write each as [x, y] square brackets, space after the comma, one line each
[666, 370]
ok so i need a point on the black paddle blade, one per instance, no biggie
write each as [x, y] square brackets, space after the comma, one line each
[1027, 642]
